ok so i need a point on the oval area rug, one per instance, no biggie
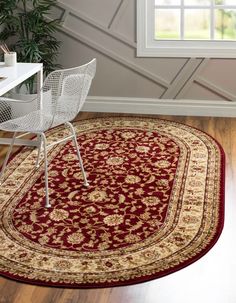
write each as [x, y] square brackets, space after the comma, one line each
[155, 204]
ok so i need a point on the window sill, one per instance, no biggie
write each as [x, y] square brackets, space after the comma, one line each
[185, 52]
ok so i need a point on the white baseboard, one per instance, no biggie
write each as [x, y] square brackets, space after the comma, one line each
[161, 106]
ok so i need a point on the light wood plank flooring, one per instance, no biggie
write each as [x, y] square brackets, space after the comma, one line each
[211, 279]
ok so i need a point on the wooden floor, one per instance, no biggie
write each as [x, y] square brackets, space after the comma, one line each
[212, 279]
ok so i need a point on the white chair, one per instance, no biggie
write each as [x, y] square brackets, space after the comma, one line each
[63, 95]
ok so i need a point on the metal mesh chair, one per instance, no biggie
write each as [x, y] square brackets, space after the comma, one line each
[63, 95]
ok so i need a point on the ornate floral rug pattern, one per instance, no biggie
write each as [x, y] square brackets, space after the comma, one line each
[155, 204]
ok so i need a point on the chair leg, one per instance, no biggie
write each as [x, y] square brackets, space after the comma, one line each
[7, 157]
[39, 150]
[43, 137]
[78, 153]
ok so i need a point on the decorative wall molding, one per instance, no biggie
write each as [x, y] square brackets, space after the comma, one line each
[160, 106]
[192, 78]
[215, 88]
[68, 12]
[175, 88]
[118, 13]
[182, 78]
[127, 62]
[116, 57]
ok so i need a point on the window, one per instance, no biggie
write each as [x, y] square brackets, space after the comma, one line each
[186, 28]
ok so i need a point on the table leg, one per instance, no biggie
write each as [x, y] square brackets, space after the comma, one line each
[39, 87]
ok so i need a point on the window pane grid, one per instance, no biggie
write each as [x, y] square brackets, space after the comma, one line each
[208, 20]
[182, 21]
[212, 21]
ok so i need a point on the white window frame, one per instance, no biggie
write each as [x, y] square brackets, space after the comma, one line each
[147, 46]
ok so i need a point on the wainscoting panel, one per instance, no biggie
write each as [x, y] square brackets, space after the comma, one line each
[107, 30]
[178, 107]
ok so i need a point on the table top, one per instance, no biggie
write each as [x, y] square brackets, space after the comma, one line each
[14, 75]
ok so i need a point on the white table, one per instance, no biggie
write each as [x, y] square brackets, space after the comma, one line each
[15, 75]
[19, 73]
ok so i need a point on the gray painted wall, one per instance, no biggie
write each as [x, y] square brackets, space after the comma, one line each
[106, 29]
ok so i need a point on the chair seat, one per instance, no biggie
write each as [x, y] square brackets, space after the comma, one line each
[35, 121]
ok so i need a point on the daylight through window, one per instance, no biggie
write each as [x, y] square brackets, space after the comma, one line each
[195, 19]
[205, 28]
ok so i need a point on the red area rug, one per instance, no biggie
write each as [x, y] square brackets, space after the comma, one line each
[155, 204]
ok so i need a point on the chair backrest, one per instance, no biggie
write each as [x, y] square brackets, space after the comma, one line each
[65, 91]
